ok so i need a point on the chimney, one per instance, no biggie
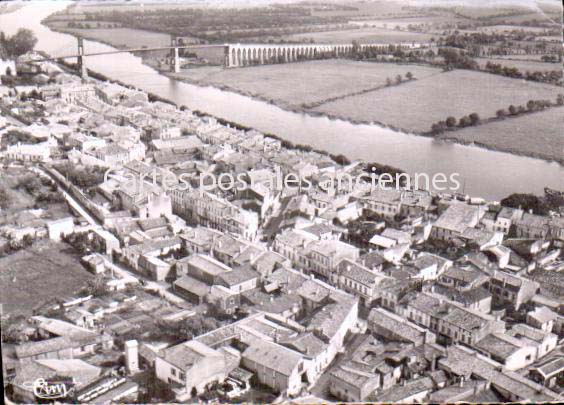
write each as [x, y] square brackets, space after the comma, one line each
[461, 382]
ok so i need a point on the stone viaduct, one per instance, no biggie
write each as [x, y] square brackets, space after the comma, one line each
[237, 55]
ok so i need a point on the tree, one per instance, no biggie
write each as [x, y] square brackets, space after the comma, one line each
[512, 109]
[450, 122]
[474, 119]
[22, 42]
[560, 99]
[526, 202]
[501, 113]
[388, 82]
[409, 76]
[399, 79]
[464, 121]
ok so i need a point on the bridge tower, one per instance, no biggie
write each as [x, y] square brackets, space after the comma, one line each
[80, 61]
[174, 58]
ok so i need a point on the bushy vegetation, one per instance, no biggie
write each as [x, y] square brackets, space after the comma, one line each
[538, 205]
[21, 42]
[553, 76]
[83, 177]
[221, 24]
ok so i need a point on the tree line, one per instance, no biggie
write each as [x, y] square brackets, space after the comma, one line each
[21, 42]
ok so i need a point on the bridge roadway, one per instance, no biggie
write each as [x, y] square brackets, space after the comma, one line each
[237, 55]
[161, 48]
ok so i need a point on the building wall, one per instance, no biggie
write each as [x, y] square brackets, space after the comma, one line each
[278, 382]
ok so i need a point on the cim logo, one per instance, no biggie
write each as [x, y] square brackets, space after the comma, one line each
[53, 389]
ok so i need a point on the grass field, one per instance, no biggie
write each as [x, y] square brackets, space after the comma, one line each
[118, 37]
[522, 65]
[403, 23]
[538, 134]
[32, 277]
[362, 35]
[531, 58]
[20, 199]
[415, 106]
[294, 85]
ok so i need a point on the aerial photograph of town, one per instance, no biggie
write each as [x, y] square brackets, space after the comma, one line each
[282, 201]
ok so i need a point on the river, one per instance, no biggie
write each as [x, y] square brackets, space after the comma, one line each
[489, 174]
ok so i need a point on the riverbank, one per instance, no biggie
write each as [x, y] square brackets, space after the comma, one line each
[513, 135]
[357, 92]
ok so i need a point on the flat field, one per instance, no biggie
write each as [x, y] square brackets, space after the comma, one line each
[362, 35]
[118, 37]
[31, 278]
[296, 85]
[538, 134]
[416, 105]
[522, 65]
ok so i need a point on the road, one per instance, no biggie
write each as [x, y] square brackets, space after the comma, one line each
[127, 275]
[75, 205]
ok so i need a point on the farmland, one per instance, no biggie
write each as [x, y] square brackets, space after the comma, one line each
[362, 35]
[416, 105]
[296, 85]
[538, 134]
[522, 65]
[35, 276]
[117, 37]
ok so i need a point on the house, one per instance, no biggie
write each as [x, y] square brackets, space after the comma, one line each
[359, 280]
[542, 318]
[412, 392]
[81, 373]
[199, 239]
[477, 298]
[106, 239]
[325, 255]
[315, 351]
[238, 280]
[188, 367]
[191, 288]
[462, 278]
[532, 226]
[223, 299]
[481, 239]
[513, 353]
[275, 366]
[59, 228]
[550, 373]
[132, 254]
[209, 210]
[544, 342]
[187, 144]
[385, 203]
[393, 327]
[429, 266]
[506, 218]
[450, 321]
[202, 267]
[39, 152]
[352, 384]
[454, 221]
[157, 269]
[290, 243]
[461, 363]
[511, 289]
